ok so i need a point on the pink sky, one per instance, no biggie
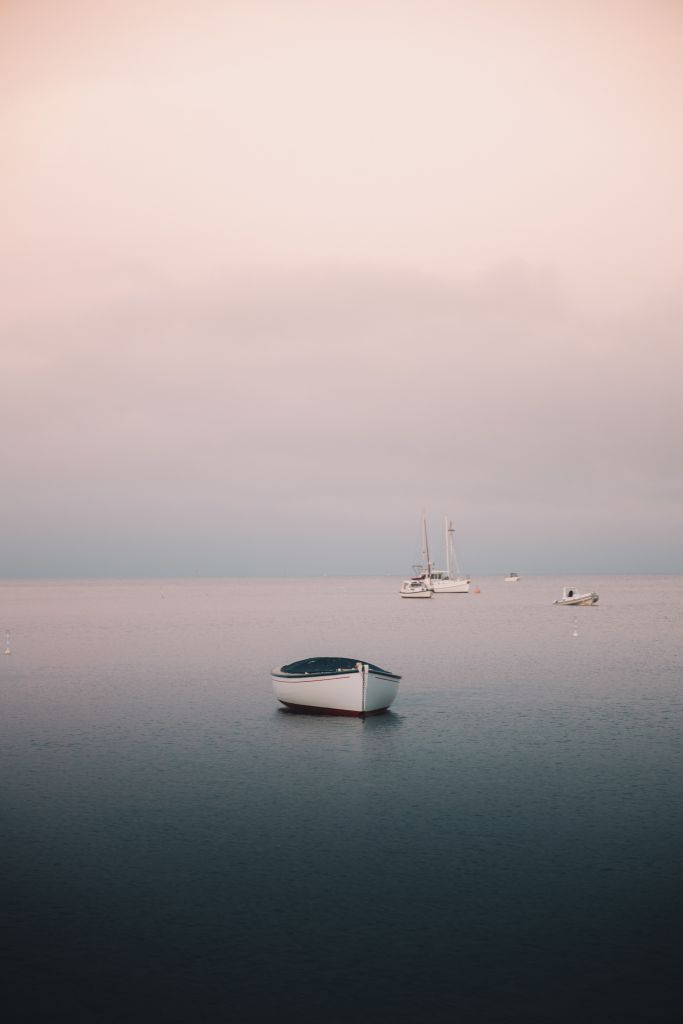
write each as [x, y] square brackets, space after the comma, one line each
[243, 240]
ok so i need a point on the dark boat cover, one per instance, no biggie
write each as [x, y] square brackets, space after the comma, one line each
[326, 667]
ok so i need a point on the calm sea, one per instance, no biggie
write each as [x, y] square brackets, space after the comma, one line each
[506, 844]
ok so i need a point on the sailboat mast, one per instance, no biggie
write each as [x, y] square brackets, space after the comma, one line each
[448, 547]
[428, 568]
[451, 544]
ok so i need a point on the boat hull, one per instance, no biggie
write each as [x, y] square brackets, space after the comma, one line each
[415, 588]
[580, 599]
[356, 692]
[450, 586]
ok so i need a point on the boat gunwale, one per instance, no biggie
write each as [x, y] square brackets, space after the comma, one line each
[332, 673]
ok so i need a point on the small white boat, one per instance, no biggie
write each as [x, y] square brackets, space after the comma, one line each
[512, 577]
[570, 596]
[415, 588]
[335, 686]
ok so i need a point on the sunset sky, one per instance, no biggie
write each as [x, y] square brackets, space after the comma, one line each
[279, 275]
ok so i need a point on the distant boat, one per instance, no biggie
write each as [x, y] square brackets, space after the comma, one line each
[512, 577]
[420, 584]
[415, 588]
[335, 686]
[570, 596]
[440, 581]
[450, 581]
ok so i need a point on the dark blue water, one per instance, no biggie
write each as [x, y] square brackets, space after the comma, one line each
[505, 845]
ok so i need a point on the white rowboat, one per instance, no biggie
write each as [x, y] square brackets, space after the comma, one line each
[335, 686]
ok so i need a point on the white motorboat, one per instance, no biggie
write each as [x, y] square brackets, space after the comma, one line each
[512, 577]
[335, 686]
[415, 588]
[569, 596]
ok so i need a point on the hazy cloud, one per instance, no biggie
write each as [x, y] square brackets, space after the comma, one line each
[278, 276]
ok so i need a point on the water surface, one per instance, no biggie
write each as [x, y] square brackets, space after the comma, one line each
[504, 845]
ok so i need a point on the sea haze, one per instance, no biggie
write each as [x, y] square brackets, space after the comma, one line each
[506, 844]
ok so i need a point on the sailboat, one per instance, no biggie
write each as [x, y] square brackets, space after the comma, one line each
[450, 581]
[420, 585]
[441, 581]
